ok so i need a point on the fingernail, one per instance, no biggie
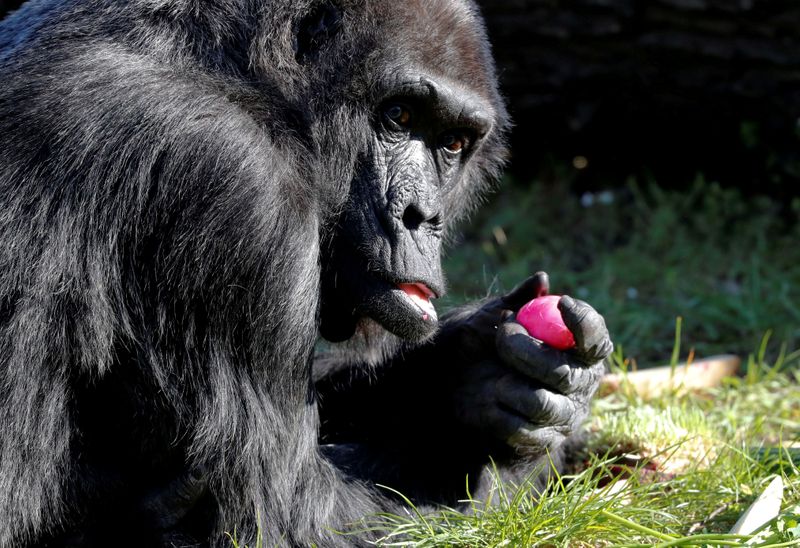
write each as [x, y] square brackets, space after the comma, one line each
[544, 283]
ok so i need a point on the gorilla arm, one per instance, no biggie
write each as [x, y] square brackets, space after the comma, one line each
[481, 394]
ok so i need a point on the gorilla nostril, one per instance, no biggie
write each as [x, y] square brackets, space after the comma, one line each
[414, 217]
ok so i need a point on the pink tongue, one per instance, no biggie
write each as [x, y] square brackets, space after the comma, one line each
[422, 296]
[413, 290]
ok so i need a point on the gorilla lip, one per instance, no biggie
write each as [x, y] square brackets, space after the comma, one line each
[421, 296]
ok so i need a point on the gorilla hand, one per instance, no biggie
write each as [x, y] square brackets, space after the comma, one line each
[513, 388]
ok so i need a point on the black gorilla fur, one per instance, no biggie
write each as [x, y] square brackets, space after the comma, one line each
[189, 191]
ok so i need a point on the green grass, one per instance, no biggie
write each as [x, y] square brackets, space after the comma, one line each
[680, 469]
[726, 263]
[673, 471]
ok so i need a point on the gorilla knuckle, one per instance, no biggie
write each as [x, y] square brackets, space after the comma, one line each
[565, 378]
[547, 408]
[536, 441]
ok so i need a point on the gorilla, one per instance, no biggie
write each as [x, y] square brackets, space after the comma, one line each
[194, 194]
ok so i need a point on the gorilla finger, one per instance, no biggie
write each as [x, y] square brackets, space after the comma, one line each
[592, 340]
[535, 286]
[536, 441]
[538, 405]
[540, 362]
[503, 423]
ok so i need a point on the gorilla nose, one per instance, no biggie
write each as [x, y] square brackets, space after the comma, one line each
[415, 216]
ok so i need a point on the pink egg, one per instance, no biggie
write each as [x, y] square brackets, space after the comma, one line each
[542, 318]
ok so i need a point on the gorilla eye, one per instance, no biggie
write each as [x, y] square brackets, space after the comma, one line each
[398, 114]
[454, 142]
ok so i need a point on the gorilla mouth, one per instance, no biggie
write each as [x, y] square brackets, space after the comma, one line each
[400, 306]
[421, 295]
[403, 307]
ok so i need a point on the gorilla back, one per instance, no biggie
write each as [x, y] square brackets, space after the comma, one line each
[170, 172]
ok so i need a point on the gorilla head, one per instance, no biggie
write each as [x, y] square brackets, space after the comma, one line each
[426, 134]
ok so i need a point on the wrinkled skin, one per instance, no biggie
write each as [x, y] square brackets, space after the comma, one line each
[421, 404]
[481, 393]
[514, 387]
[426, 132]
[477, 372]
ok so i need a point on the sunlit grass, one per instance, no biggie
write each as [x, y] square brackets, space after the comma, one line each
[677, 470]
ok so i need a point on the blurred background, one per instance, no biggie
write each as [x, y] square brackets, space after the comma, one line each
[655, 168]
[654, 171]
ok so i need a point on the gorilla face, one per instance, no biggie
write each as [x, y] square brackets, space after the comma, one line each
[428, 125]
[387, 263]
